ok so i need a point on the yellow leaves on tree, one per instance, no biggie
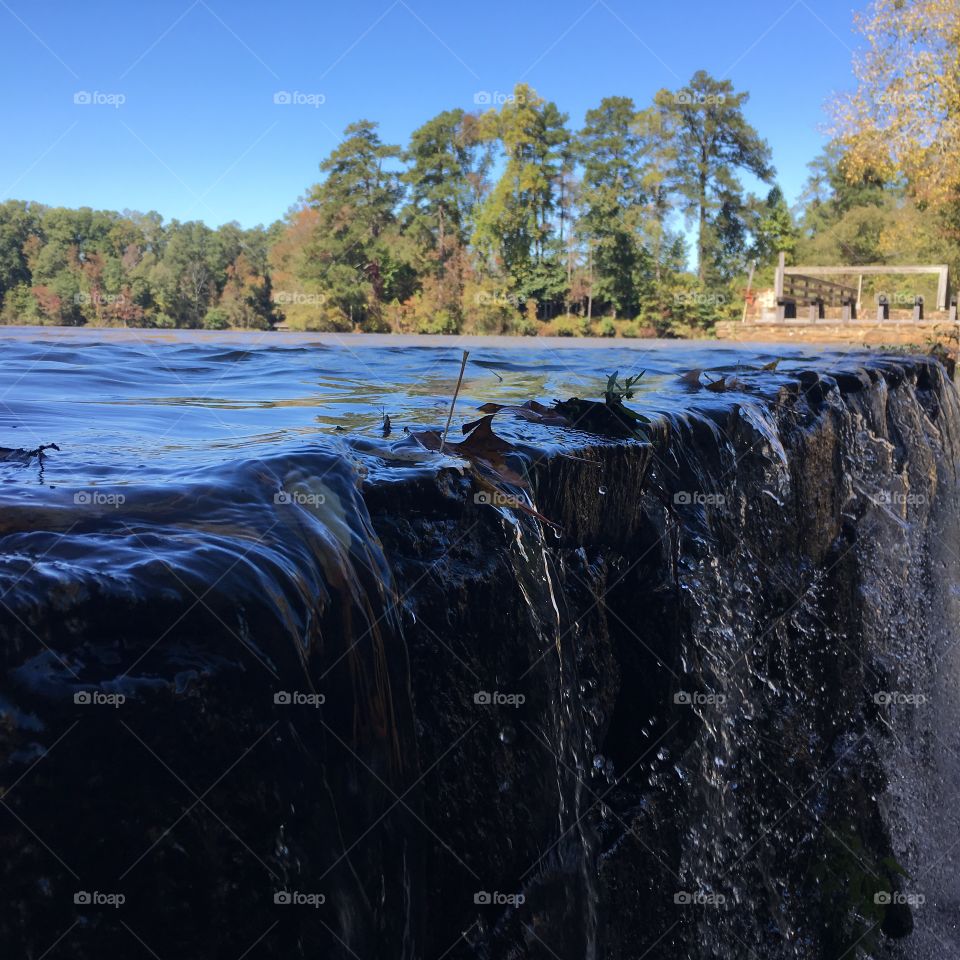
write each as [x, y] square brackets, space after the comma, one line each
[904, 118]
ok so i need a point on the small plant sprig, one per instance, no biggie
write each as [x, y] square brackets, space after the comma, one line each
[617, 392]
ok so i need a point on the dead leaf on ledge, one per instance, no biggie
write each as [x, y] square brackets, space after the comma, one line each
[482, 447]
[487, 452]
[531, 410]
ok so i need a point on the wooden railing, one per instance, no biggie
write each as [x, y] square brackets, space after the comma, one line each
[805, 286]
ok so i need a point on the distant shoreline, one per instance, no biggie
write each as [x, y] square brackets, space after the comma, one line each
[154, 335]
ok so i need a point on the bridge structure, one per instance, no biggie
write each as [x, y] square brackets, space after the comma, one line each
[807, 288]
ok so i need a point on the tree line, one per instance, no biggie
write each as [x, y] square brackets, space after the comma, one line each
[508, 221]
[75, 267]
[498, 221]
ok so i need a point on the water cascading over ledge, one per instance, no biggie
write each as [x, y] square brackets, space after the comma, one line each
[716, 714]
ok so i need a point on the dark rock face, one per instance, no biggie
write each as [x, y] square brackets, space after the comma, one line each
[727, 619]
[686, 727]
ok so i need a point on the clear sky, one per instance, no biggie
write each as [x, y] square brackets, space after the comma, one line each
[182, 116]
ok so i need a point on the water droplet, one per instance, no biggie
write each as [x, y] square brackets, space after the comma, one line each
[602, 491]
[507, 735]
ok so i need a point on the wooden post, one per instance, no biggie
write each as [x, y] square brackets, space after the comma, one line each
[917, 309]
[883, 308]
[781, 266]
[859, 294]
[942, 288]
[746, 299]
[953, 319]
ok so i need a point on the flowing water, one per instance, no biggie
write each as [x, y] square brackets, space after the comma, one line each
[204, 534]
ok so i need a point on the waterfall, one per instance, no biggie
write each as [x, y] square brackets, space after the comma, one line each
[714, 716]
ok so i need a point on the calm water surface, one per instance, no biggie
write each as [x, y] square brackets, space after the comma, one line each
[136, 406]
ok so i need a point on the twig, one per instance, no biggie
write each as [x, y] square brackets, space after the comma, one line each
[453, 402]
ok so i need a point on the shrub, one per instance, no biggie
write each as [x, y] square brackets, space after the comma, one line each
[20, 305]
[525, 327]
[216, 319]
[489, 309]
[565, 327]
[606, 328]
[440, 321]
[321, 317]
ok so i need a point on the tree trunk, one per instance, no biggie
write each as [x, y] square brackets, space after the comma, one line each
[701, 236]
[590, 289]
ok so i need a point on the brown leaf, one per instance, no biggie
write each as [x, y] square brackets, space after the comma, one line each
[487, 452]
[482, 447]
[722, 386]
[531, 410]
[692, 378]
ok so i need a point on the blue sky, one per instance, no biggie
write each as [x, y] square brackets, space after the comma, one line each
[182, 117]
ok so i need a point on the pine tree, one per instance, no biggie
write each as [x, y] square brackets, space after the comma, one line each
[515, 232]
[713, 141]
[351, 255]
[612, 199]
